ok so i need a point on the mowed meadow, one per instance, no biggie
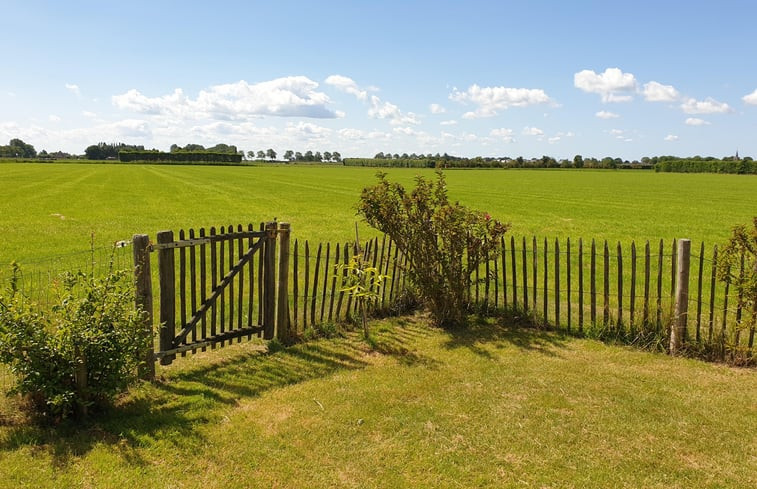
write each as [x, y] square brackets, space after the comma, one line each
[54, 209]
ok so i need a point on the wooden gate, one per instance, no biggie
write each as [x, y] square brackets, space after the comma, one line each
[220, 287]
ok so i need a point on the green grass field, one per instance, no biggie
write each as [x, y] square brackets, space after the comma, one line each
[53, 209]
[485, 407]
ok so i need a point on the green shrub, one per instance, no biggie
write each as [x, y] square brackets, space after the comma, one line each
[80, 353]
[443, 241]
[737, 265]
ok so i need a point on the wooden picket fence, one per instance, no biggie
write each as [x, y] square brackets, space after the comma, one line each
[655, 291]
[623, 291]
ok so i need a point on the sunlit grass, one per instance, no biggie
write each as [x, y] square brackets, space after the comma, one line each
[486, 407]
[53, 209]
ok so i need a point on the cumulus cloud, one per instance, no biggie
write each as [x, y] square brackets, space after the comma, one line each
[671, 137]
[378, 109]
[532, 131]
[308, 130]
[554, 139]
[695, 121]
[751, 98]
[612, 85]
[387, 110]
[451, 122]
[708, 106]
[657, 92]
[347, 85]
[294, 96]
[503, 134]
[604, 114]
[73, 89]
[491, 100]
[437, 109]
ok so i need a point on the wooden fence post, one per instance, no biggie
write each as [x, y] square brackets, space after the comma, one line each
[282, 320]
[167, 296]
[269, 279]
[143, 299]
[678, 331]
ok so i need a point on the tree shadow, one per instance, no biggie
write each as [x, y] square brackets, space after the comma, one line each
[173, 408]
[482, 333]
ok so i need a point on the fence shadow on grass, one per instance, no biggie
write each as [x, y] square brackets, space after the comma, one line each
[502, 330]
[200, 392]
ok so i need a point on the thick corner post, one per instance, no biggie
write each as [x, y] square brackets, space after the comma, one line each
[678, 331]
[143, 300]
[269, 281]
[167, 272]
[282, 319]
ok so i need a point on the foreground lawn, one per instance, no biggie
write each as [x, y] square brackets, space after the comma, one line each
[490, 407]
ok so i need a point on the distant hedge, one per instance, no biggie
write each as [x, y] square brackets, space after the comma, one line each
[692, 165]
[179, 157]
[394, 163]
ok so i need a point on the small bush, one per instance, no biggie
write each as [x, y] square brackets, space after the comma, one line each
[444, 241]
[79, 354]
[737, 265]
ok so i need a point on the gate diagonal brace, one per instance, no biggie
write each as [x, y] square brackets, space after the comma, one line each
[216, 293]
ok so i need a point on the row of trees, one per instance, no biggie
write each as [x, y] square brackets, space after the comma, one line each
[447, 161]
[17, 149]
[109, 151]
[289, 155]
[219, 148]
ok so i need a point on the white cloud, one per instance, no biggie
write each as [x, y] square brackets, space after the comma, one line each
[53, 118]
[750, 99]
[437, 109]
[407, 131]
[73, 89]
[604, 114]
[695, 121]
[554, 139]
[88, 114]
[613, 85]
[504, 134]
[532, 131]
[491, 100]
[294, 96]
[671, 137]
[616, 132]
[708, 106]
[386, 110]
[346, 85]
[448, 123]
[657, 92]
[308, 130]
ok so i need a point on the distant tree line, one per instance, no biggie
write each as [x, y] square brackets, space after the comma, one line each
[297, 156]
[108, 151]
[18, 149]
[696, 164]
[230, 154]
[708, 164]
[448, 161]
[219, 148]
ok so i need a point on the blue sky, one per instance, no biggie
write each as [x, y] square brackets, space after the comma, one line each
[500, 78]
